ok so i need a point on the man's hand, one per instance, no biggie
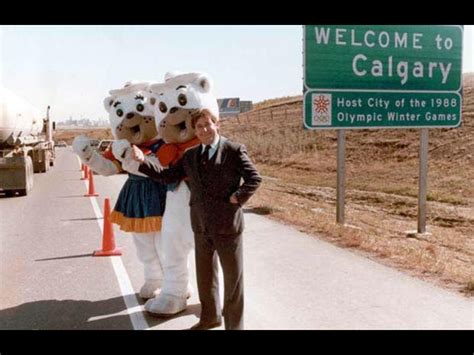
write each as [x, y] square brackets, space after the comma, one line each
[234, 200]
[137, 154]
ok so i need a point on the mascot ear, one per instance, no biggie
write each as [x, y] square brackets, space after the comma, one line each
[204, 82]
[171, 74]
[156, 89]
[108, 101]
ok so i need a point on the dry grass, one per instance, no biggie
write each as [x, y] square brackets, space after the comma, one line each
[374, 228]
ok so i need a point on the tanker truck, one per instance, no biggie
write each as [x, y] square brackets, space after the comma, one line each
[26, 143]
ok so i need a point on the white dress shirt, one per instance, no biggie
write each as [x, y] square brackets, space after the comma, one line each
[213, 148]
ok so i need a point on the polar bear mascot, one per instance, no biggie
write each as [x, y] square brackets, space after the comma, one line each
[174, 102]
[141, 202]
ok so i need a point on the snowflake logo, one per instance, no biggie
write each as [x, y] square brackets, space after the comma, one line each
[321, 104]
[321, 110]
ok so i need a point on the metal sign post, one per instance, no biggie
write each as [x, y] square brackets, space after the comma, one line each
[422, 182]
[341, 175]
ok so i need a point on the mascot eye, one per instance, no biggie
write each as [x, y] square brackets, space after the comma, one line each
[119, 113]
[163, 107]
[140, 107]
[182, 99]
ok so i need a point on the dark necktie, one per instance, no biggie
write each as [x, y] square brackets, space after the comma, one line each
[205, 155]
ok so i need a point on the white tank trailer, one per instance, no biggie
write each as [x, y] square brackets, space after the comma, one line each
[26, 143]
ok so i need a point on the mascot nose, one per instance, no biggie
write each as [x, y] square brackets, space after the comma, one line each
[173, 110]
[130, 115]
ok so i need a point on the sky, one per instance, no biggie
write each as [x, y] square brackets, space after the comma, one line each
[72, 68]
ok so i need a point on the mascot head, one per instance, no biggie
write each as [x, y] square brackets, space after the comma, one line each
[131, 114]
[176, 99]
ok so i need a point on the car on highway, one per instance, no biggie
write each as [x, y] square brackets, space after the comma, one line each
[61, 144]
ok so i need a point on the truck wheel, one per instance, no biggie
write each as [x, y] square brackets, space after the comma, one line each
[23, 192]
[42, 168]
[10, 193]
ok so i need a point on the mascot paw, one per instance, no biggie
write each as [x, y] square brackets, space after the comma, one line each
[121, 149]
[82, 147]
[150, 289]
[165, 305]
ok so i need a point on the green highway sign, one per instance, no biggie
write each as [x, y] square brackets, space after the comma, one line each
[347, 110]
[364, 63]
[383, 57]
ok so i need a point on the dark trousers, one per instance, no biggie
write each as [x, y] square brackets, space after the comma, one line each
[229, 250]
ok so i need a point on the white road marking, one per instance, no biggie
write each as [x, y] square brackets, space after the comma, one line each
[121, 313]
[134, 309]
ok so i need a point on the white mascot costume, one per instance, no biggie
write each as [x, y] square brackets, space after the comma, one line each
[141, 202]
[174, 101]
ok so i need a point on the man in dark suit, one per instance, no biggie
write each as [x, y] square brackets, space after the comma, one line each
[214, 170]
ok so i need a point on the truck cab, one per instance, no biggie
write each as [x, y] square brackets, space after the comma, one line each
[26, 143]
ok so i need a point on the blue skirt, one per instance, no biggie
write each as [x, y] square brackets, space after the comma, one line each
[140, 205]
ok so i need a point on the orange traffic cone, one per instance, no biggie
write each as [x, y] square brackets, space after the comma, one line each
[86, 172]
[91, 185]
[108, 238]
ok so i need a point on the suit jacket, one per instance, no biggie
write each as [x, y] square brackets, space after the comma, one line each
[211, 210]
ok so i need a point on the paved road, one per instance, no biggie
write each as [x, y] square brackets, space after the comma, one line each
[49, 280]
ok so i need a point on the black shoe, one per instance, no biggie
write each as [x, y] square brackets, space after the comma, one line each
[206, 325]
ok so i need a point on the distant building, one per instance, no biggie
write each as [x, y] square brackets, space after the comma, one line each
[231, 107]
[84, 122]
